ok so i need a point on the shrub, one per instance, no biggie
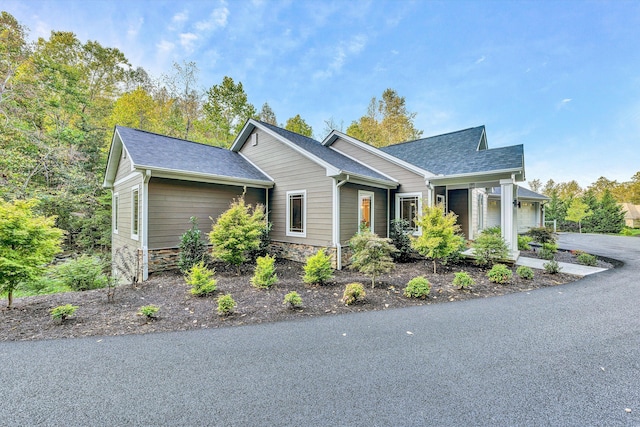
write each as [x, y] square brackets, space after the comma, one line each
[226, 305]
[371, 255]
[546, 253]
[293, 299]
[552, 267]
[523, 242]
[193, 248]
[148, 311]
[418, 287]
[489, 248]
[495, 230]
[462, 280]
[524, 272]
[439, 238]
[265, 241]
[587, 259]
[265, 273]
[82, 274]
[401, 240]
[500, 273]
[550, 246]
[318, 268]
[353, 292]
[63, 311]
[542, 235]
[201, 280]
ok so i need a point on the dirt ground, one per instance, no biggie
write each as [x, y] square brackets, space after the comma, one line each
[30, 318]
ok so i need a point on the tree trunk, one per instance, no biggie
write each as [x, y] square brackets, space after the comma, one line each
[434, 266]
[10, 299]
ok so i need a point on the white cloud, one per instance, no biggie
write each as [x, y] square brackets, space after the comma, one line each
[481, 59]
[187, 40]
[217, 19]
[180, 17]
[340, 55]
[564, 103]
[134, 28]
[165, 47]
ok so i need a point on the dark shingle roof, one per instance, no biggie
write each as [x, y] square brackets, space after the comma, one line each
[524, 193]
[164, 152]
[457, 153]
[327, 154]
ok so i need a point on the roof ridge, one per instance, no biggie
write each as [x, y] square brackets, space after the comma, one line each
[172, 137]
[434, 136]
[288, 131]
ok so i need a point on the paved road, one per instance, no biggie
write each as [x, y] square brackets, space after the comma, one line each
[567, 355]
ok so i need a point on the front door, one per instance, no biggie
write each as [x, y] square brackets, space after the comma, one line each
[458, 203]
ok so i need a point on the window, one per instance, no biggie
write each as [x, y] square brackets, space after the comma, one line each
[409, 207]
[296, 213]
[135, 212]
[116, 212]
[365, 212]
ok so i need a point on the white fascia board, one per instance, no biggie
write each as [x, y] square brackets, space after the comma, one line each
[243, 135]
[205, 177]
[479, 175]
[113, 161]
[390, 178]
[365, 180]
[256, 166]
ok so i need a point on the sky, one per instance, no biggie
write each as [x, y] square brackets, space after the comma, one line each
[560, 77]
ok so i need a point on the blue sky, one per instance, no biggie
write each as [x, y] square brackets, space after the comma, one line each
[560, 77]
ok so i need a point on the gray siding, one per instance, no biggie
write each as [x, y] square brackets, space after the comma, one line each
[292, 171]
[124, 166]
[123, 236]
[172, 203]
[349, 207]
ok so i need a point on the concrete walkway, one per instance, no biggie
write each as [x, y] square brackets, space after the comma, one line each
[565, 267]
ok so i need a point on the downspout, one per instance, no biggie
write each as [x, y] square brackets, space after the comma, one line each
[145, 225]
[336, 220]
[266, 204]
[388, 209]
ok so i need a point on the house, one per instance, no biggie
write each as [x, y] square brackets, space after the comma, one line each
[631, 215]
[317, 194]
[530, 208]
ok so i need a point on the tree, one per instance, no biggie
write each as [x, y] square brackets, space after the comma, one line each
[27, 243]
[267, 115]
[439, 238]
[330, 124]
[227, 109]
[607, 216]
[371, 255]
[577, 211]
[236, 232]
[535, 185]
[298, 125]
[182, 87]
[193, 248]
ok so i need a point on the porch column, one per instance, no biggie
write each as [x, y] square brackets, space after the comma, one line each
[508, 217]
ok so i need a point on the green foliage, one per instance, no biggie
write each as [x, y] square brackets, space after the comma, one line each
[353, 293]
[489, 248]
[500, 273]
[226, 305]
[546, 253]
[523, 242]
[193, 248]
[148, 311]
[63, 311]
[542, 235]
[265, 274]
[577, 211]
[552, 267]
[83, 273]
[317, 269]
[201, 280]
[43, 285]
[236, 232]
[401, 240]
[587, 259]
[227, 109]
[462, 280]
[418, 287]
[439, 239]
[298, 125]
[371, 255]
[495, 230]
[27, 243]
[524, 272]
[607, 215]
[293, 299]
[265, 241]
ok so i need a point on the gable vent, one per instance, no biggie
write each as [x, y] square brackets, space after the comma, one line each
[254, 139]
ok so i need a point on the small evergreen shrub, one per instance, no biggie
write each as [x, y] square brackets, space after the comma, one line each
[524, 272]
[587, 259]
[201, 280]
[63, 311]
[523, 242]
[495, 230]
[500, 273]
[148, 311]
[550, 246]
[193, 248]
[317, 269]
[371, 255]
[552, 267]
[489, 248]
[265, 274]
[418, 287]
[546, 253]
[542, 235]
[226, 305]
[462, 280]
[265, 241]
[353, 293]
[400, 240]
[293, 299]
[82, 274]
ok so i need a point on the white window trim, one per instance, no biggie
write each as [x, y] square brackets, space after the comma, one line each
[303, 193]
[361, 194]
[134, 189]
[400, 196]
[116, 212]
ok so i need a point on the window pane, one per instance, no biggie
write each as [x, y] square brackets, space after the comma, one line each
[135, 207]
[296, 206]
[409, 211]
[365, 211]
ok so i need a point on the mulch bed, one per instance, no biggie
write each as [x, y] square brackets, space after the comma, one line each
[179, 310]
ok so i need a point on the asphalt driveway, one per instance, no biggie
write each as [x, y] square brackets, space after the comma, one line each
[568, 355]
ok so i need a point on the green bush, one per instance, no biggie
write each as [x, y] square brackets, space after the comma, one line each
[318, 268]
[524, 272]
[201, 280]
[148, 311]
[63, 311]
[418, 287]
[489, 248]
[265, 241]
[462, 280]
[587, 259]
[542, 235]
[439, 239]
[82, 274]
[495, 230]
[265, 274]
[400, 240]
[226, 305]
[552, 267]
[371, 255]
[523, 242]
[293, 299]
[500, 273]
[193, 248]
[353, 292]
